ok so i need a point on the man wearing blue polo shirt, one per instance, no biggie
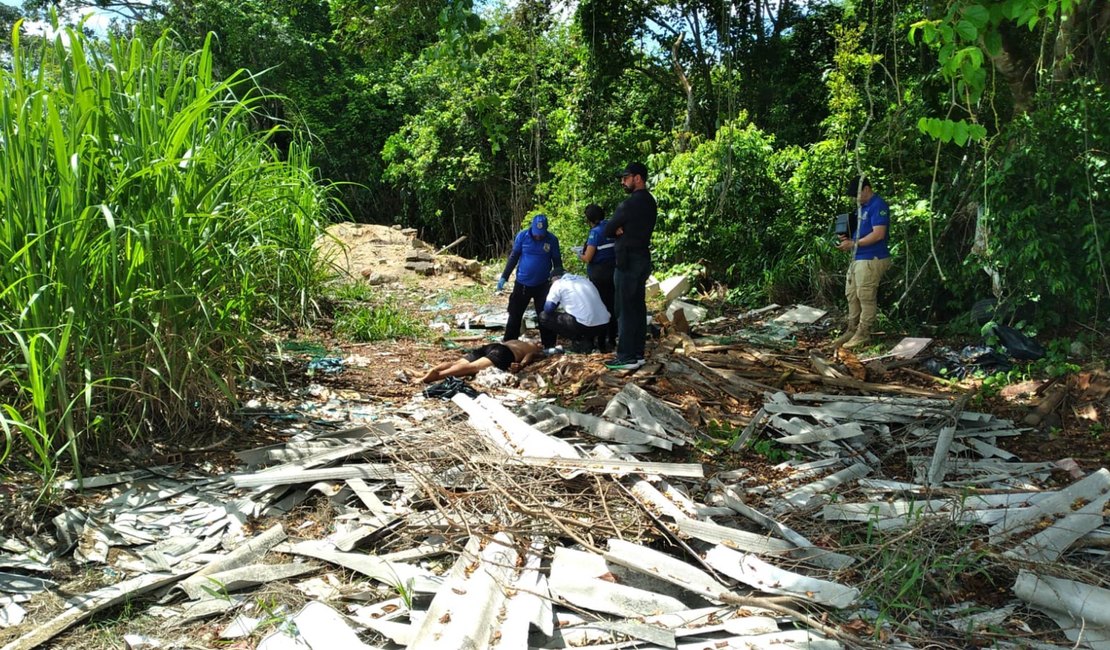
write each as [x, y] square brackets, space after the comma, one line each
[537, 252]
[870, 261]
[600, 256]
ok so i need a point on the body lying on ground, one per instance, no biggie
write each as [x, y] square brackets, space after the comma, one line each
[507, 356]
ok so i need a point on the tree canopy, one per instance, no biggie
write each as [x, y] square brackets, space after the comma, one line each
[983, 122]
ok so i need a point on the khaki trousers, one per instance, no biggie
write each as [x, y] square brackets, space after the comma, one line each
[862, 291]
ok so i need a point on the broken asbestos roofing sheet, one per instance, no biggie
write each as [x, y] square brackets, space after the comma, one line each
[468, 524]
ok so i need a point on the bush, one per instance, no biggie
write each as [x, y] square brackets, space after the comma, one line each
[1050, 218]
[719, 205]
[382, 322]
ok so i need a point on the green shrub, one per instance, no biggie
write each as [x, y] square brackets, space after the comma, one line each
[1049, 216]
[718, 204]
[381, 322]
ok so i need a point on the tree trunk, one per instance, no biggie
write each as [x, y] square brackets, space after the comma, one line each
[1016, 68]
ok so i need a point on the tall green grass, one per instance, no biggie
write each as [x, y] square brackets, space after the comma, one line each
[147, 229]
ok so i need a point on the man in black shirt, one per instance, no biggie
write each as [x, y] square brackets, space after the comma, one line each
[632, 225]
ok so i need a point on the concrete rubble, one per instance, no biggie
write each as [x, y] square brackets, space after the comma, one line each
[514, 522]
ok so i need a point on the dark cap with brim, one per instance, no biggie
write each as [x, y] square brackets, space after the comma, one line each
[539, 225]
[855, 184]
[638, 169]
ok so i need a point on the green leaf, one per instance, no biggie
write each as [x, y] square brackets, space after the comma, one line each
[993, 42]
[967, 30]
[960, 132]
[947, 130]
[977, 15]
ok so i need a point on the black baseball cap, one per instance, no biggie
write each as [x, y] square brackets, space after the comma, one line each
[634, 168]
[855, 184]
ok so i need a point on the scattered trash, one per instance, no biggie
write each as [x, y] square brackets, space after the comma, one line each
[1017, 344]
[326, 365]
[968, 361]
[448, 388]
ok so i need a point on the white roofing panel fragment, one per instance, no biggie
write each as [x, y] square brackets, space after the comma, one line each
[734, 537]
[1081, 610]
[315, 627]
[81, 607]
[583, 579]
[754, 572]
[244, 577]
[803, 495]
[665, 567]
[510, 433]
[465, 611]
[528, 602]
[818, 434]
[299, 475]
[391, 573]
[1094, 487]
[1050, 543]
[806, 549]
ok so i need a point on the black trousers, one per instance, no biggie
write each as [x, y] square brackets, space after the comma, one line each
[518, 302]
[601, 275]
[568, 327]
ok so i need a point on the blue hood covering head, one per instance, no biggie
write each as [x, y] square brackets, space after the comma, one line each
[539, 226]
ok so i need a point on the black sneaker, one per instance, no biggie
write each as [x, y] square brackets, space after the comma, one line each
[628, 364]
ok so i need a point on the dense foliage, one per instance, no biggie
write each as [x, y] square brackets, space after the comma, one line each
[147, 227]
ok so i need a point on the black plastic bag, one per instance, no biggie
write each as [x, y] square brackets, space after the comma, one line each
[1019, 345]
[450, 387]
[971, 359]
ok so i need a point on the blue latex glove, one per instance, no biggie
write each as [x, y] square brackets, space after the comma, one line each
[500, 283]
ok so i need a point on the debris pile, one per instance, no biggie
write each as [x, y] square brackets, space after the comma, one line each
[462, 522]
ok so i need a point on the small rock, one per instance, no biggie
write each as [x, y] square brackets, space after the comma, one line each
[421, 268]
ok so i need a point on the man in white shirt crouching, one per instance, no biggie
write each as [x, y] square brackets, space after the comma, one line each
[583, 318]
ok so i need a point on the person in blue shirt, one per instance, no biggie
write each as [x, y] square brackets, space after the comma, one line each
[600, 256]
[870, 260]
[537, 252]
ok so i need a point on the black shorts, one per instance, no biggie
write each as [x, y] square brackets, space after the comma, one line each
[501, 356]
